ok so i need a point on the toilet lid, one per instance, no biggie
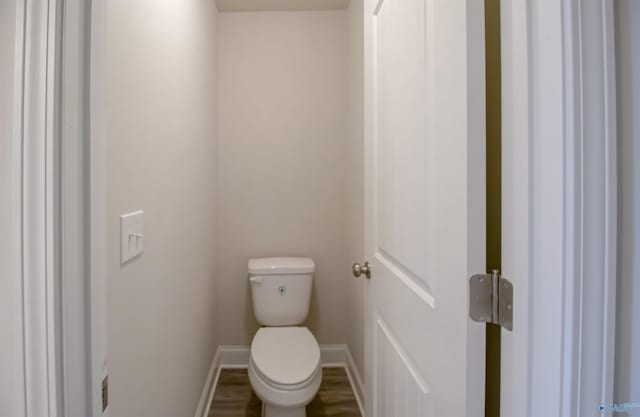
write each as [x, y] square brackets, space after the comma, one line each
[285, 355]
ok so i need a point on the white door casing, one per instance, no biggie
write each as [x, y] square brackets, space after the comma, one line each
[95, 29]
[559, 206]
[34, 158]
[425, 206]
[51, 141]
[82, 329]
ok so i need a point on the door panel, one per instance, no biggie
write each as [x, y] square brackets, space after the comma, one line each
[425, 205]
[401, 150]
[405, 393]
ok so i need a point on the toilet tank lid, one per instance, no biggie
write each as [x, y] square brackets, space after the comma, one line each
[272, 266]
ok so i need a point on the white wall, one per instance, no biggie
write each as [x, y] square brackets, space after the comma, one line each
[627, 379]
[160, 121]
[284, 161]
[355, 183]
[11, 390]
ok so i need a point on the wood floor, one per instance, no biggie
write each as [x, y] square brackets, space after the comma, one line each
[234, 397]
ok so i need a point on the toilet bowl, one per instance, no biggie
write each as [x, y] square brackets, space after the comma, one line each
[284, 365]
[284, 370]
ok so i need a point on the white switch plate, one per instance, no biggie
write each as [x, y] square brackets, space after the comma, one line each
[131, 235]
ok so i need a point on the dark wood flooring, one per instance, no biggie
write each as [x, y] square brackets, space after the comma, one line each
[234, 398]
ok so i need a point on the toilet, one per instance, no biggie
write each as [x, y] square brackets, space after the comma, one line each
[284, 365]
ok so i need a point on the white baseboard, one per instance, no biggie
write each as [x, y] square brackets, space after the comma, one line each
[333, 355]
[209, 386]
[230, 356]
[356, 380]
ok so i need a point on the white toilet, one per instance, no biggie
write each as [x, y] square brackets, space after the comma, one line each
[284, 368]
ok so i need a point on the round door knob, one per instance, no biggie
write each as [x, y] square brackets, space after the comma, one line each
[361, 269]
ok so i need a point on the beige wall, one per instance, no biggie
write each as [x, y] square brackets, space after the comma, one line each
[11, 392]
[281, 173]
[161, 152]
[355, 177]
[284, 161]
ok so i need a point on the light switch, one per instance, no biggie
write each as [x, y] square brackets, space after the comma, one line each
[131, 235]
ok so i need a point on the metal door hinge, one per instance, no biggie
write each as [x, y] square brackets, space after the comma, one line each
[491, 299]
[105, 392]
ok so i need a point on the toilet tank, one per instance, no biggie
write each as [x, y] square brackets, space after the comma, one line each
[281, 289]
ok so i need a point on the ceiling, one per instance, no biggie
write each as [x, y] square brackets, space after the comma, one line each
[279, 5]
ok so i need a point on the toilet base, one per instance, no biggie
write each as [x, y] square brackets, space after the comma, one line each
[270, 411]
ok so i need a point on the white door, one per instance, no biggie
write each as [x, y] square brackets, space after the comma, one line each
[425, 206]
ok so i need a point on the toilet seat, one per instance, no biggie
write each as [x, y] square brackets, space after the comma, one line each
[287, 358]
[284, 387]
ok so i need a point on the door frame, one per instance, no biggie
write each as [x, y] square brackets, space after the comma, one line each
[546, 135]
[33, 143]
[84, 322]
[59, 247]
[559, 147]
[96, 171]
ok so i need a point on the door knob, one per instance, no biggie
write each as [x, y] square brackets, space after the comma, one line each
[361, 269]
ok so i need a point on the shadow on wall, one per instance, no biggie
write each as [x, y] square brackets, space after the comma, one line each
[250, 323]
[312, 322]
